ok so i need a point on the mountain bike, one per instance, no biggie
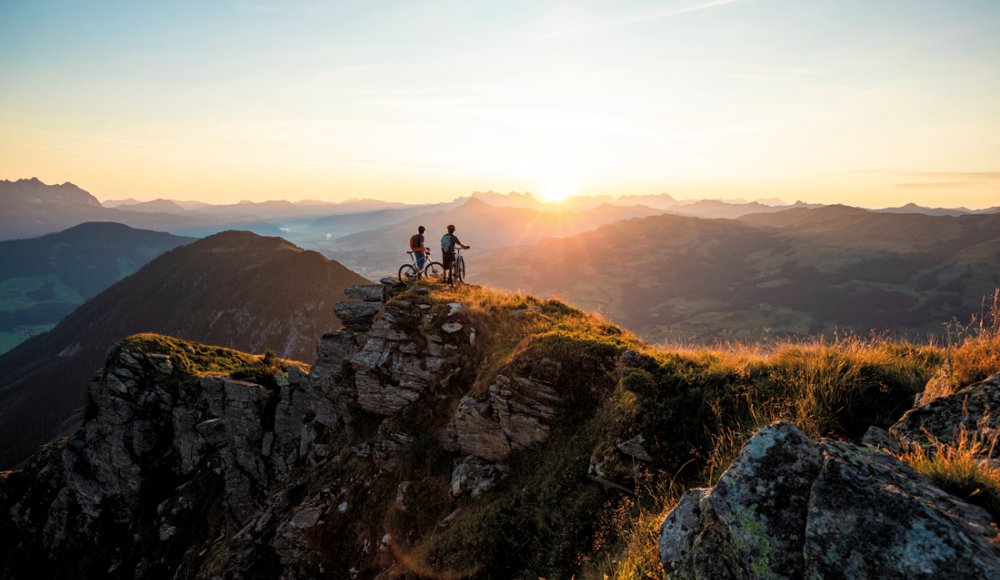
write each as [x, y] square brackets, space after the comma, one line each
[409, 273]
[457, 268]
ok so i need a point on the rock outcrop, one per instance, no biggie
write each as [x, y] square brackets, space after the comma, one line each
[975, 408]
[790, 507]
[233, 452]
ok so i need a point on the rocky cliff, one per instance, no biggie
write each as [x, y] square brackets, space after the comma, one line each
[196, 461]
[439, 433]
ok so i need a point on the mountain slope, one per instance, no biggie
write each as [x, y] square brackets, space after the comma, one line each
[43, 279]
[797, 272]
[233, 289]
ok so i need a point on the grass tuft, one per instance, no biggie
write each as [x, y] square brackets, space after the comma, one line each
[963, 468]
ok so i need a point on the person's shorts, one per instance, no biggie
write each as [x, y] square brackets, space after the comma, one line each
[447, 259]
[420, 259]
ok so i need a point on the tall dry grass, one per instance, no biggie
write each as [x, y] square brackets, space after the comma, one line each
[962, 468]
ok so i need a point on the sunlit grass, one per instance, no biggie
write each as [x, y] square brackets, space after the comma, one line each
[961, 468]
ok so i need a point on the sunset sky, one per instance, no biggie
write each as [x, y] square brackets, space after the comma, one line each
[837, 101]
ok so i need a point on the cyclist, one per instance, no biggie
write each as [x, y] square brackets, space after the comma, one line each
[419, 249]
[448, 243]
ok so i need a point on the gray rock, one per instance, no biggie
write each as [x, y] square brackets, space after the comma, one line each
[878, 437]
[634, 447]
[451, 327]
[368, 292]
[515, 415]
[357, 316]
[456, 307]
[973, 408]
[474, 475]
[790, 507]
[680, 529]
[632, 358]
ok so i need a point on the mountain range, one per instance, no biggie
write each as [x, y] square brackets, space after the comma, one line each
[43, 279]
[233, 289]
[30, 208]
[795, 272]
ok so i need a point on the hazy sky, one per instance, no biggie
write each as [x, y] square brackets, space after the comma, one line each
[873, 103]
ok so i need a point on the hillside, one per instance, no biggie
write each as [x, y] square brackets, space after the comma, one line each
[795, 272]
[30, 208]
[469, 433]
[233, 289]
[44, 279]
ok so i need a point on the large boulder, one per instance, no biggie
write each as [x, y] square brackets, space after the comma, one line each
[973, 408]
[791, 507]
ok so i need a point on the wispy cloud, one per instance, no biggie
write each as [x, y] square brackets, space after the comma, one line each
[635, 18]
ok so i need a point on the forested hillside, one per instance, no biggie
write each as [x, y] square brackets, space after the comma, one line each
[44, 279]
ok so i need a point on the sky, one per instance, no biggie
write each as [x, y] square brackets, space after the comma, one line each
[874, 104]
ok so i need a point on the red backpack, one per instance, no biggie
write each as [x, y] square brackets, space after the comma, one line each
[415, 243]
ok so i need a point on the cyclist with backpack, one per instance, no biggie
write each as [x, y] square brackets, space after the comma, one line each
[448, 243]
[419, 249]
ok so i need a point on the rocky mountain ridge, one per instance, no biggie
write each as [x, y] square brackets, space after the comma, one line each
[408, 450]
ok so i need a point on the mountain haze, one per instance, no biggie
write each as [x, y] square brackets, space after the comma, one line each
[30, 208]
[234, 289]
[486, 226]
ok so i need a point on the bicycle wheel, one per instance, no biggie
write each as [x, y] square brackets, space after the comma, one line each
[434, 269]
[407, 273]
[461, 270]
[454, 274]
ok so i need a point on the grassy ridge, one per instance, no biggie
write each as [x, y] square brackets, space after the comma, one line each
[828, 389]
[696, 406]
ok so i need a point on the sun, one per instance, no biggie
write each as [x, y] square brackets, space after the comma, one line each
[556, 191]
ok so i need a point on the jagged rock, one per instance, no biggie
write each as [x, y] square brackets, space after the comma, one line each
[357, 316]
[474, 475]
[634, 447]
[368, 292]
[456, 307]
[973, 408]
[878, 437]
[515, 415]
[789, 507]
[389, 281]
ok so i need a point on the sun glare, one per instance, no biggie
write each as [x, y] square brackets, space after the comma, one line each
[555, 192]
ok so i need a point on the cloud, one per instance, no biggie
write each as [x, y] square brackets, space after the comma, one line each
[636, 18]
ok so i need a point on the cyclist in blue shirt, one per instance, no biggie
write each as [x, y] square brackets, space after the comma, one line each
[448, 243]
[419, 249]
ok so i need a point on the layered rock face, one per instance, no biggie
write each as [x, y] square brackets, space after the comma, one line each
[790, 507]
[181, 474]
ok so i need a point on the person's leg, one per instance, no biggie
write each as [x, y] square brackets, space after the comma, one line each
[446, 260]
[420, 264]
